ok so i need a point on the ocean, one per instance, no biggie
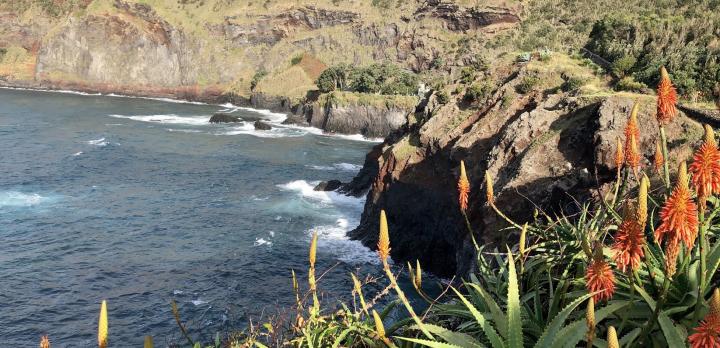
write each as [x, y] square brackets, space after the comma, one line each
[141, 201]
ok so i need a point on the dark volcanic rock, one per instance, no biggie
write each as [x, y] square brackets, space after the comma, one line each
[331, 185]
[224, 118]
[544, 152]
[260, 125]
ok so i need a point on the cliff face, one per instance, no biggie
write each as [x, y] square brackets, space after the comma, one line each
[211, 51]
[544, 151]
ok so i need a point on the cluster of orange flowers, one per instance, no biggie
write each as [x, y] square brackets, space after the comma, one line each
[679, 214]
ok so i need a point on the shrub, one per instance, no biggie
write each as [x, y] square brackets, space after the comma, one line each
[256, 78]
[527, 84]
[333, 78]
[437, 62]
[467, 74]
[629, 84]
[572, 83]
[296, 59]
[376, 78]
[623, 65]
[442, 97]
[478, 92]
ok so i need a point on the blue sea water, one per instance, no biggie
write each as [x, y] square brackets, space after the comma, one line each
[140, 202]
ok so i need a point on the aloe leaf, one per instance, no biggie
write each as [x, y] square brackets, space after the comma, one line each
[515, 333]
[498, 316]
[630, 337]
[341, 337]
[490, 332]
[573, 333]
[674, 336]
[428, 343]
[457, 338]
[552, 329]
[713, 261]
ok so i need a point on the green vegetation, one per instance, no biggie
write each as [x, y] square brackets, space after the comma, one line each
[636, 37]
[256, 78]
[339, 98]
[527, 84]
[386, 79]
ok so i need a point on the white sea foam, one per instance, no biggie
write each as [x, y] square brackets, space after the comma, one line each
[97, 142]
[334, 238]
[359, 137]
[168, 119]
[198, 302]
[78, 153]
[306, 189]
[348, 167]
[184, 130]
[276, 132]
[20, 199]
[261, 241]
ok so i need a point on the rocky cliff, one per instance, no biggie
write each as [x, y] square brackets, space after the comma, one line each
[211, 50]
[545, 151]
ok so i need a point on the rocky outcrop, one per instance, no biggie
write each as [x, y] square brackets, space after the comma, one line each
[544, 152]
[260, 125]
[370, 121]
[224, 118]
[272, 29]
[463, 19]
[331, 185]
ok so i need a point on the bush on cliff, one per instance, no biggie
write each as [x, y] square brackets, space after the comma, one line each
[385, 78]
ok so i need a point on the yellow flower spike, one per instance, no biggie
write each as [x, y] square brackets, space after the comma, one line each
[148, 342]
[709, 135]
[418, 274]
[44, 342]
[590, 321]
[682, 180]
[489, 194]
[619, 155]
[642, 208]
[356, 283]
[379, 326]
[523, 233]
[715, 302]
[612, 340]
[313, 249]
[103, 326]
[384, 239]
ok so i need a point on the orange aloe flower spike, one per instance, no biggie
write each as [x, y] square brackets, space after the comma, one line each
[463, 188]
[629, 240]
[678, 216]
[44, 342]
[599, 277]
[666, 98]
[705, 168]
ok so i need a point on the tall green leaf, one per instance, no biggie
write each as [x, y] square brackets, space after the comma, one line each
[515, 332]
[490, 332]
[498, 316]
[551, 330]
